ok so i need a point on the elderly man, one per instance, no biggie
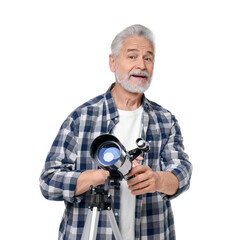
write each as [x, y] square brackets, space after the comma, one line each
[142, 206]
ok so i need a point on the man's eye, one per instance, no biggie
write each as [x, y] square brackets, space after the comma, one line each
[148, 59]
[131, 57]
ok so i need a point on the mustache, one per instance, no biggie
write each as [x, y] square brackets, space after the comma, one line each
[141, 73]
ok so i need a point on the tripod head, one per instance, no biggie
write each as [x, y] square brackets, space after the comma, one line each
[100, 196]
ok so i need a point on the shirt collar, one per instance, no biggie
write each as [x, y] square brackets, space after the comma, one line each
[111, 109]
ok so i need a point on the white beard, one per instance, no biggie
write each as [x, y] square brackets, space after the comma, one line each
[138, 88]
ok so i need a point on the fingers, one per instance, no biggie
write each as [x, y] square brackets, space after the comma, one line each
[141, 173]
[147, 189]
[143, 182]
[135, 161]
[104, 173]
[139, 158]
[99, 176]
[137, 168]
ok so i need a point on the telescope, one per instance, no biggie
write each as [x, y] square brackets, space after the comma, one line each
[109, 154]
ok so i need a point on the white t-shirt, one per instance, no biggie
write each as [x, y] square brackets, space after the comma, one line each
[127, 131]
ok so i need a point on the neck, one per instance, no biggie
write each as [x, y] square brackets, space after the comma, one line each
[125, 100]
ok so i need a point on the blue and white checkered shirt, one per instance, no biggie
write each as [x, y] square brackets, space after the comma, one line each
[70, 155]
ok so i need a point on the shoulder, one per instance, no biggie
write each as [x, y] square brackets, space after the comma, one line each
[156, 107]
[159, 110]
[88, 108]
[164, 116]
[86, 113]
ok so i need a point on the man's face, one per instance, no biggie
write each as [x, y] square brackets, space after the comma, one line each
[134, 65]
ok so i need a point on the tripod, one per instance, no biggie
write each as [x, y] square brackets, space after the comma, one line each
[100, 201]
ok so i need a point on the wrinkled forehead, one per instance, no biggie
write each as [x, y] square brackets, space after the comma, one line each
[137, 44]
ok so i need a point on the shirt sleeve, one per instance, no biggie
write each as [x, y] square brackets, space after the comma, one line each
[59, 176]
[175, 160]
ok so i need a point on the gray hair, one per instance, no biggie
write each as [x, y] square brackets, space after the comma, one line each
[134, 30]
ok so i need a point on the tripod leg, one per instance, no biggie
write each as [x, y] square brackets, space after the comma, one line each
[114, 225]
[94, 223]
[91, 225]
[86, 231]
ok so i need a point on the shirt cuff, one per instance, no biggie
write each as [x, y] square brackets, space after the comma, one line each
[69, 185]
[183, 182]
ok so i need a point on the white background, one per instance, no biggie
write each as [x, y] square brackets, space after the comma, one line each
[54, 57]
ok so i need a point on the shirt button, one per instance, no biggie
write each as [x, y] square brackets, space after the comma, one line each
[116, 214]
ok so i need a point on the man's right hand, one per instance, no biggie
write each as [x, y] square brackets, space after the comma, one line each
[88, 178]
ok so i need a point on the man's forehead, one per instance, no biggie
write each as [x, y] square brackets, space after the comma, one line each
[137, 43]
[137, 50]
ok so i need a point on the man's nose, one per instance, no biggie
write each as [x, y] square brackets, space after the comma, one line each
[141, 64]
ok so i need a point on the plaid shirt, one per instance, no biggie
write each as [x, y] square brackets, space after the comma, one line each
[69, 156]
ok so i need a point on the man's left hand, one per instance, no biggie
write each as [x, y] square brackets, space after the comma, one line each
[145, 180]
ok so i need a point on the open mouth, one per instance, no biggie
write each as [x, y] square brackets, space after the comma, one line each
[139, 76]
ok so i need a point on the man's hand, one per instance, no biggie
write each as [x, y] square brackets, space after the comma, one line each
[88, 178]
[148, 181]
[145, 180]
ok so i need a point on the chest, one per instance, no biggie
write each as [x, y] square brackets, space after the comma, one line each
[147, 127]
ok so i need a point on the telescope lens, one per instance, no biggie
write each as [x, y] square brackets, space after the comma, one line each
[109, 155]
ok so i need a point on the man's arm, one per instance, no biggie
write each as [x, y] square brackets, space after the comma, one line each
[90, 178]
[176, 169]
[60, 180]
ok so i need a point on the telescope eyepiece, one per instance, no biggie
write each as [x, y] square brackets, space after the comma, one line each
[142, 145]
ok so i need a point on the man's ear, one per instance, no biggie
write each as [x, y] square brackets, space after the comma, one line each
[112, 63]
